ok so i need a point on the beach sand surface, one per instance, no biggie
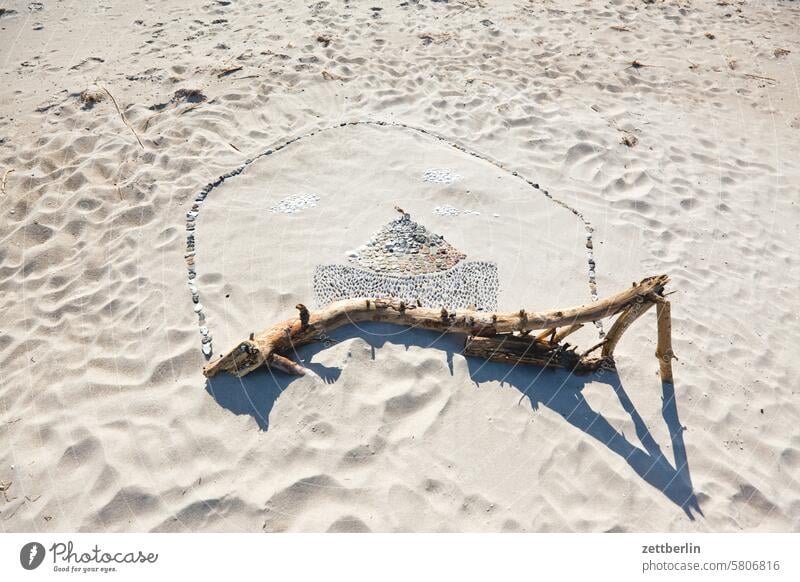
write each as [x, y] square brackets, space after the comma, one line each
[671, 127]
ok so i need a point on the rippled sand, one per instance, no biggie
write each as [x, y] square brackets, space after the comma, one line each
[671, 127]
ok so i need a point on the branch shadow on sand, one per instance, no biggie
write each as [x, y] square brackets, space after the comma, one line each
[557, 390]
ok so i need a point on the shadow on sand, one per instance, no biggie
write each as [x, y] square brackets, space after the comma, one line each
[555, 389]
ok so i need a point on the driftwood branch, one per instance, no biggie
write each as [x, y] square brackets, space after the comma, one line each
[495, 336]
[664, 347]
[514, 349]
[564, 332]
[622, 323]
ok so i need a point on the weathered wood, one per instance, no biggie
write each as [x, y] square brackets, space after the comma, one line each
[622, 323]
[512, 349]
[272, 345]
[664, 348]
[547, 335]
[286, 365]
[565, 331]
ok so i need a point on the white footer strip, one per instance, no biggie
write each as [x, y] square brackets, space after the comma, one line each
[388, 557]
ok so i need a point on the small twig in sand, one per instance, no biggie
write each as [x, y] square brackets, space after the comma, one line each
[5, 177]
[760, 77]
[149, 119]
[122, 115]
[637, 64]
[227, 72]
[188, 109]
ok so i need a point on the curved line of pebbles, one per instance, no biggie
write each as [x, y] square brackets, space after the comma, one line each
[193, 213]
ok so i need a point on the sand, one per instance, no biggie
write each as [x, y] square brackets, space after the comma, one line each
[106, 421]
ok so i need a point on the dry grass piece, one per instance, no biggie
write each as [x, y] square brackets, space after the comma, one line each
[122, 116]
[230, 71]
[770, 79]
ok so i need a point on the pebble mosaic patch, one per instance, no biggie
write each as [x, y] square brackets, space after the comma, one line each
[406, 247]
[295, 203]
[405, 261]
[440, 176]
[448, 210]
[470, 284]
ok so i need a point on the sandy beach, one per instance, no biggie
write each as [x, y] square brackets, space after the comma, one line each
[666, 131]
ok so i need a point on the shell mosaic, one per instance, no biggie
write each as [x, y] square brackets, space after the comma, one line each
[295, 203]
[470, 284]
[432, 175]
[440, 176]
[405, 261]
[448, 210]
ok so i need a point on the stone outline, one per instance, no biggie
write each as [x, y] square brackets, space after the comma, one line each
[193, 213]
